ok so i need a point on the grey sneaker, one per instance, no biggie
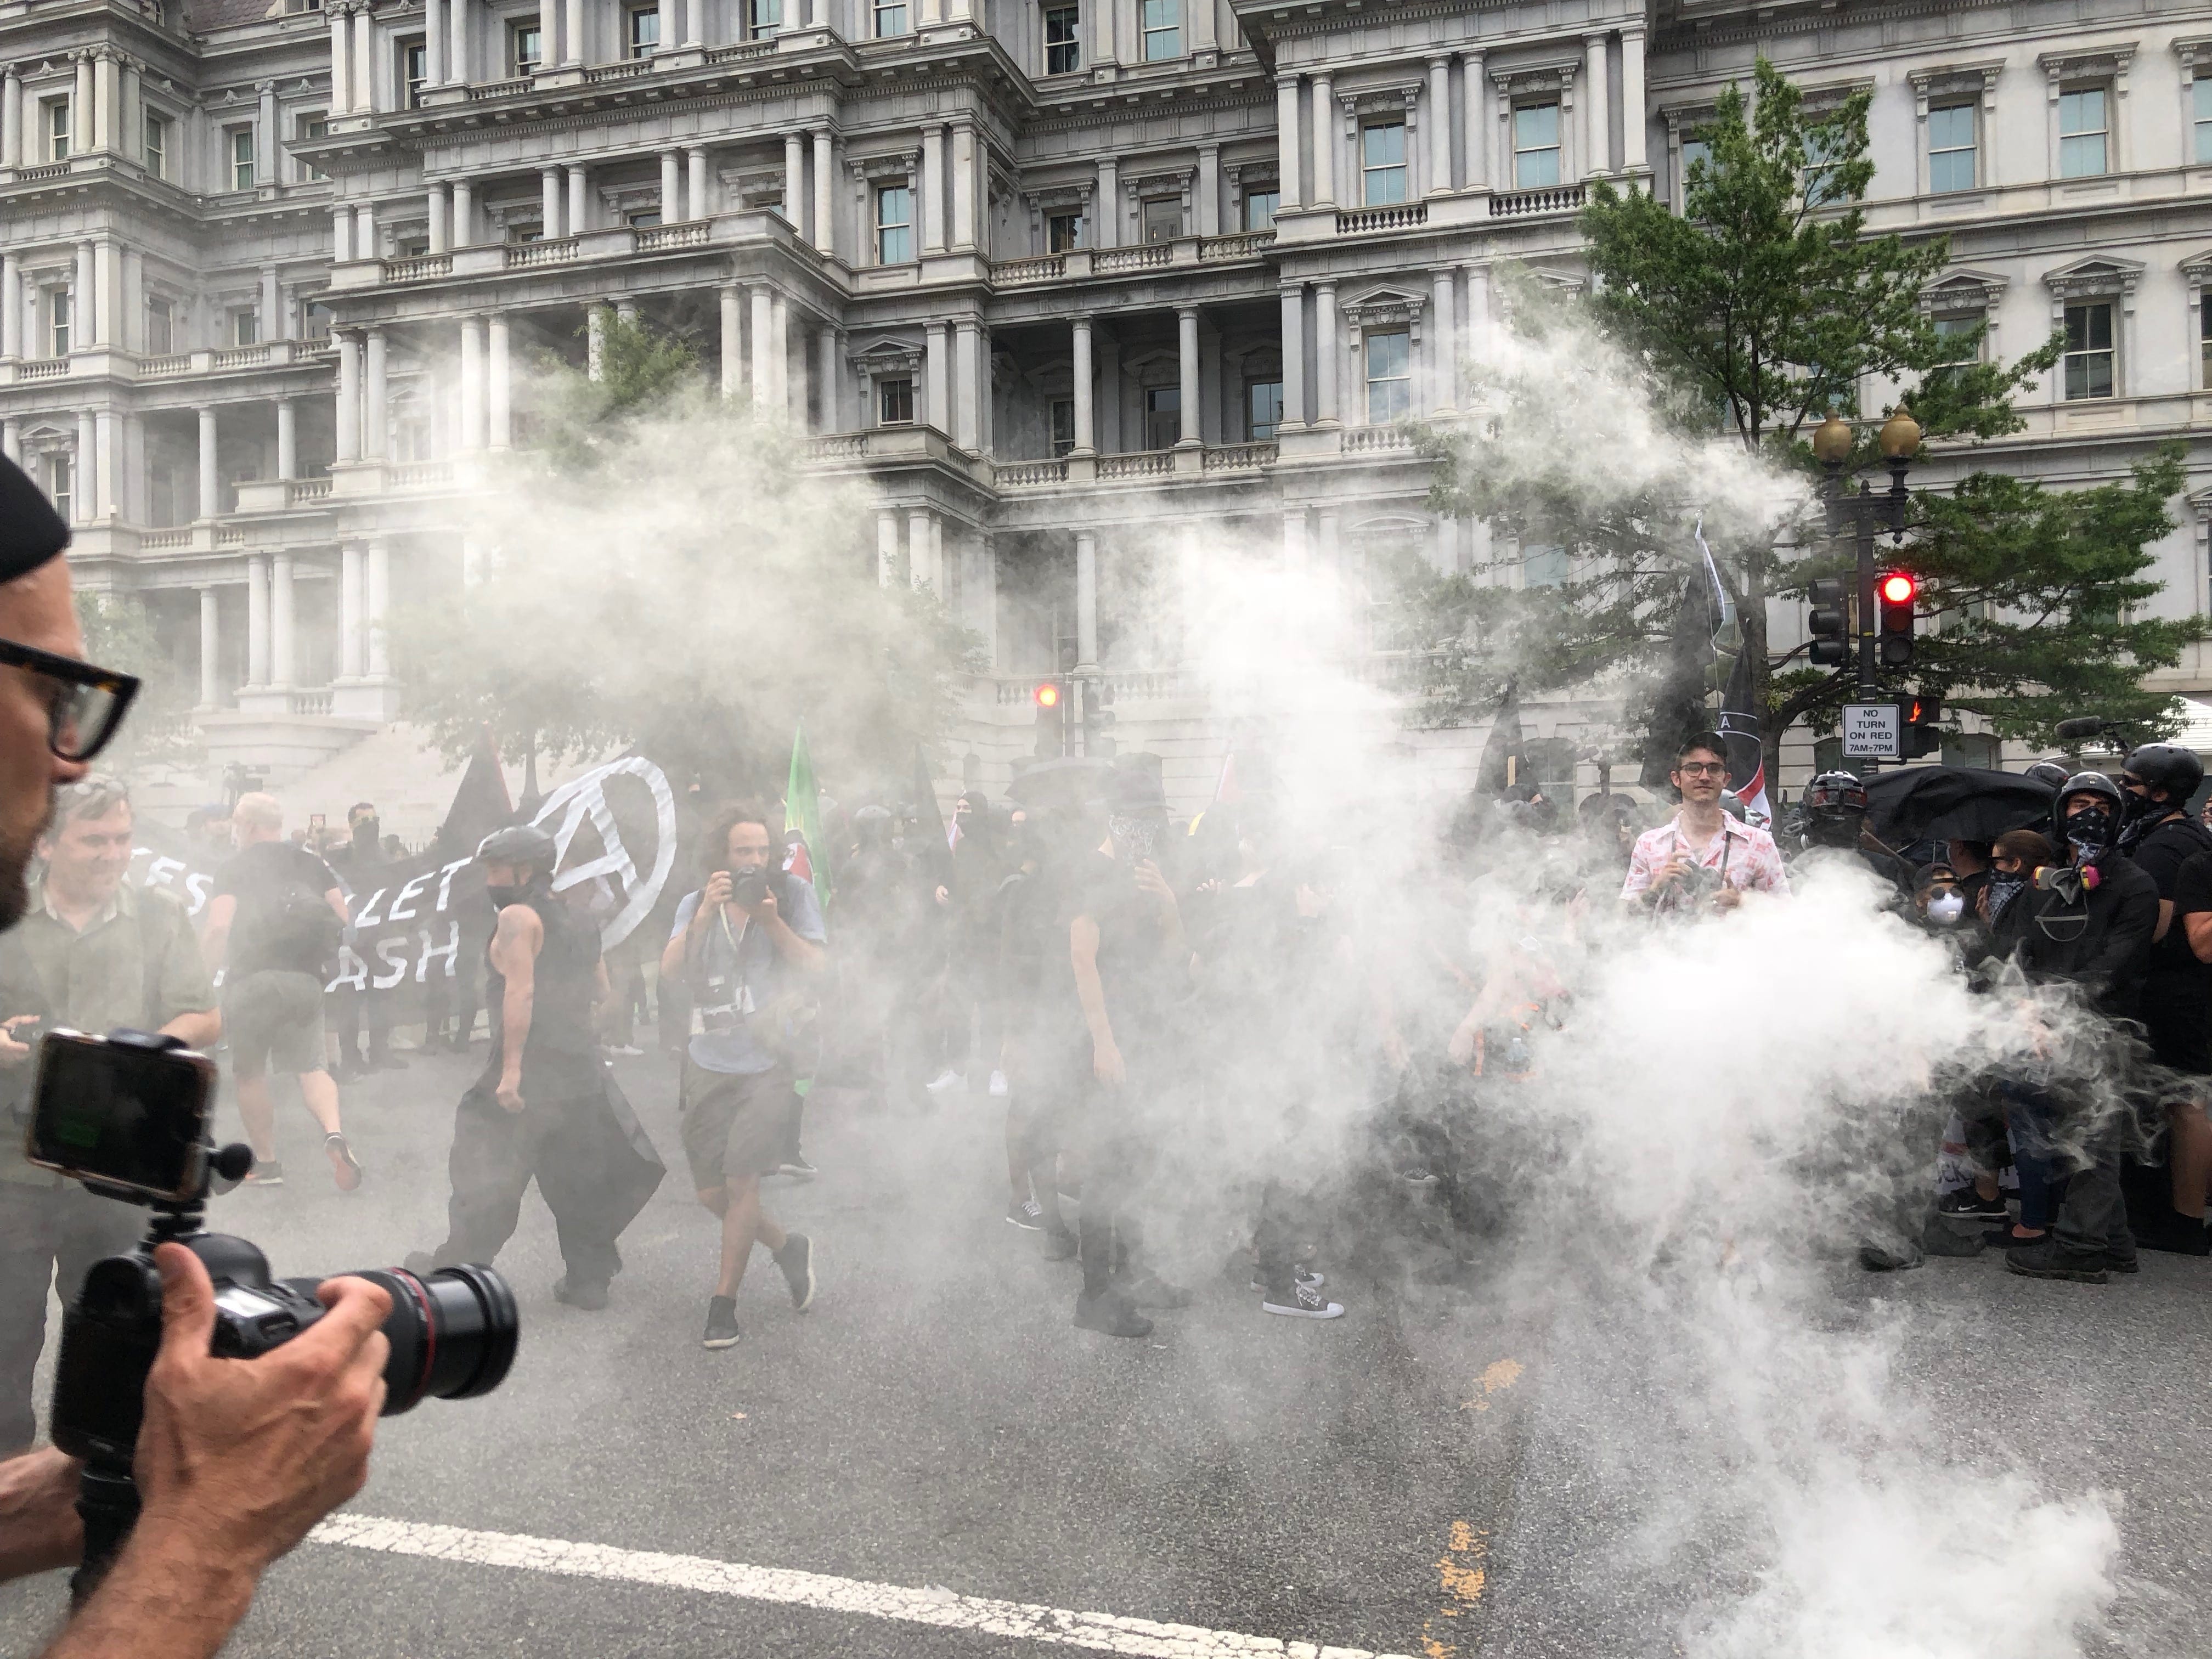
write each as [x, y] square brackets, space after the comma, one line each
[1304, 1301]
[721, 1323]
[796, 1258]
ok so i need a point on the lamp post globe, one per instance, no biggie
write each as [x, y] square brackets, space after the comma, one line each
[1901, 435]
[1832, 441]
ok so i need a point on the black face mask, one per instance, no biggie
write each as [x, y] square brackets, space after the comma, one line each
[502, 896]
[2004, 889]
[2090, 830]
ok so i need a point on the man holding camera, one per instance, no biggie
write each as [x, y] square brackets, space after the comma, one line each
[1702, 859]
[744, 945]
[92, 953]
[236, 1459]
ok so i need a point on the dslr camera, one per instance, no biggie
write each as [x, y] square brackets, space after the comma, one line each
[748, 887]
[128, 1116]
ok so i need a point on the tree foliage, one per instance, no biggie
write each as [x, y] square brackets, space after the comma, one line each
[119, 634]
[661, 571]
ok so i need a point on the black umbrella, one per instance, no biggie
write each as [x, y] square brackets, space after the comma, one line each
[1954, 803]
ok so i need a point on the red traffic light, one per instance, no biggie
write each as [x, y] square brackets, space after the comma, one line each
[1047, 694]
[1898, 588]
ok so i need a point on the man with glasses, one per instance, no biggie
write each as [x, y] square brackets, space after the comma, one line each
[93, 953]
[237, 1458]
[1702, 859]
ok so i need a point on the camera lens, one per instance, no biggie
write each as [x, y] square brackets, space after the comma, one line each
[453, 1334]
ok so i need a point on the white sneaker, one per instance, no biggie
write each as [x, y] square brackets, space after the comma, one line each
[998, 1086]
[947, 1079]
[626, 1050]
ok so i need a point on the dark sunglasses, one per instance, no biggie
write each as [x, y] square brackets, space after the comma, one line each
[84, 703]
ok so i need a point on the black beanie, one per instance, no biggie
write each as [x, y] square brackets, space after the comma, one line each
[31, 532]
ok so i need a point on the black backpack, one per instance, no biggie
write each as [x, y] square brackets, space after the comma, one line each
[295, 929]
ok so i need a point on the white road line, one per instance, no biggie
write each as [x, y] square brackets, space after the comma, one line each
[1101, 1632]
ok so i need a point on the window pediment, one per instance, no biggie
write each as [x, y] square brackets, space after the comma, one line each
[2105, 64]
[1382, 307]
[2094, 278]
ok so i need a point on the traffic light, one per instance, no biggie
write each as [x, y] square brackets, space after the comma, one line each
[1896, 591]
[1829, 622]
[1098, 719]
[1917, 716]
[1051, 700]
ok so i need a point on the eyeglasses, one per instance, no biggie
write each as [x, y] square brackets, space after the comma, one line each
[1703, 769]
[84, 703]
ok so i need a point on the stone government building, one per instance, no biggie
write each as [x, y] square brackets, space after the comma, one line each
[1047, 272]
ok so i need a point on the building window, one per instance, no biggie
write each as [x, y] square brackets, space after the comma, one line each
[316, 320]
[57, 130]
[1821, 144]
[1953, 323]
[1162, 22]
[1163, 221]
[1389, 376]
[1951, 148]
[894, 403]
[762, 19]
[894, 225]
[245, 326]
[891, 18]
[522, 234]
[1063, 40]
[1163, 416]
[2083, 131]
[238, 146]
[644, 30]
[2089, 350]
[1536, 146]
[642, 218]
[1260, 207]
[525, 47]
[1695, 152]
[1544, 566]
[2200, 109]
[1383, 163]
[2203, 341]
[157, 144]
[1263, 410]
[61, 485]
[1063, 232]
[57, 320]
[161, 327]
[1063, 426]
[310, 128]
[413, 71]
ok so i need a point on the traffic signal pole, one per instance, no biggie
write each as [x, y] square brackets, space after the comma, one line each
[1869, 602]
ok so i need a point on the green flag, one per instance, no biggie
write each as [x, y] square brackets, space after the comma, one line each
[802, 811]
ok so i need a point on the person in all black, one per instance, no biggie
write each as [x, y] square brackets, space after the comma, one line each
[1040, 1049]
[545, 1106]
[1835, 805]
[2090, 923]
[2163, 839]
[361, 861]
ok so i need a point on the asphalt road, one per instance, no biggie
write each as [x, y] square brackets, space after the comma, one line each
[1414, 1479]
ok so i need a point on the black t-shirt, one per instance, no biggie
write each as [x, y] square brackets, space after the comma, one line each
[1141, 979]
[2183, 989]
[257, 877]
[2162, 855]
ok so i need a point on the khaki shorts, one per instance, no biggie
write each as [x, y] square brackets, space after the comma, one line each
[273, 1021]
[734, 1124]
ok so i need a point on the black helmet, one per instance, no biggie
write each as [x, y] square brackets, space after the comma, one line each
[2165, 766]
[2050, 774]
[1835, 792]
[2089, 783]
[520, 843]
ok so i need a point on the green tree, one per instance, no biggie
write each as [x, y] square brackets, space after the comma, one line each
[119, 634]
[1757, 310]
[660, 570]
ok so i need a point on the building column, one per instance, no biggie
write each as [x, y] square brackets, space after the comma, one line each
[364, 228]
[887, 545]
[1187, 397]
[81, 100]
[350, 596]
[265, 136]
[795, 181]
[1086, 603]
[107, 104]
[434, 43]
[1478, 119]
[456, 60]
[472, 384]
[579, 201]
[825, 192]
[672, 187]
[1294, 356]
[281, 618]
[967, 428]
[1286, 141]
[762, 335]
[341, 235]
[932, 189]
[378, 607]
[210, 648]
[374, 418]
[441, 237]
[1436, 122]
[1108, 197]
[11, 116]
[497, 383]
[105, 460]
[1444, 342]
[1328, 353]
[1326, 142]
[577, 45]
[1085, 431]
[1633, 157]
[1598, 153]
[1294, 537]
[963, 186]
[698, 207]
[939, 369]
[287, 440]
[829, 380]
[779, 352]
[1209, 190]
[208, 483]
[11, 438]
[11, 306]
[84, 301]
[107, 292]
[733, 356]
[548, 202]
[256, 619]
[464, 214]
[348, 414]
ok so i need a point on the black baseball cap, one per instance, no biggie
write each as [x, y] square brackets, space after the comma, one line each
[31, 532]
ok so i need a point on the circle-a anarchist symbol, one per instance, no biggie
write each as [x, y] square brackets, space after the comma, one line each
[585, 798]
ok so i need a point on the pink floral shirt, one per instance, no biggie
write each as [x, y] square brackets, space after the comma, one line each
[1748, 856]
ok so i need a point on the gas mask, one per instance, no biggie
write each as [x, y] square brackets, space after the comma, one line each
[1945, 909]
